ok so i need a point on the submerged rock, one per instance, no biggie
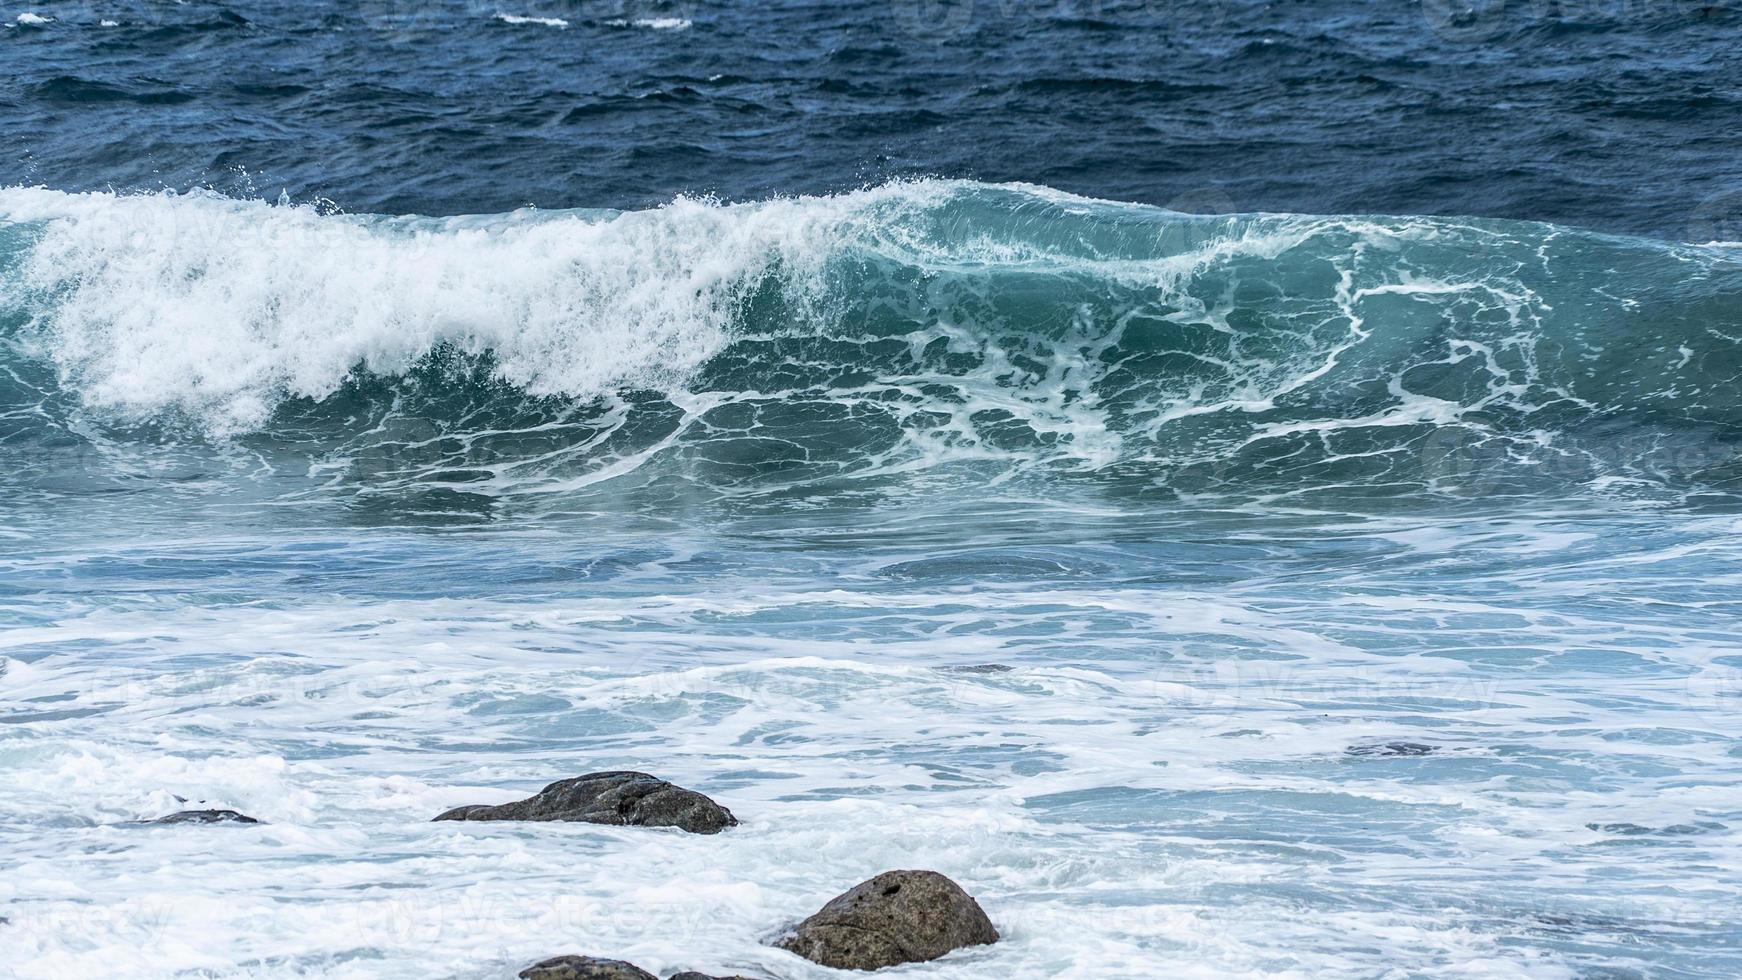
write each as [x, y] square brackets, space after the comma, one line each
[631, 799]
[205, 816]
[896, 917]
[1673, 830]
[584, 968]
[1392, 748]
[592, 968]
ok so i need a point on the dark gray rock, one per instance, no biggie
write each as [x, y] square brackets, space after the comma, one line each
[205, 816]
[896, 917]
[584, 968]
[693, 975]
[1673, 830]
[624, 799]
[1392, 749]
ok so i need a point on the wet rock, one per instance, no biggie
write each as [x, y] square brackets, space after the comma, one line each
[896, 917]
[205, 816]
[584, 968]
[693, 975]
[1673, 830]
[624, 799]
[1392, 749]
[1621, 829]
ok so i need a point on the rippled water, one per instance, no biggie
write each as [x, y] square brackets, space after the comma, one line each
[1269, 595]
[1611, 114]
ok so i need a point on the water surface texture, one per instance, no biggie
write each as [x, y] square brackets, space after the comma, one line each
[1059, 446]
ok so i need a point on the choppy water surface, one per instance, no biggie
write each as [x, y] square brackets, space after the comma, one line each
[1611, 114]
[1212, 595]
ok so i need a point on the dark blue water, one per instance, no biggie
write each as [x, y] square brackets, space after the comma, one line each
[1248, 489]
[1617, 115]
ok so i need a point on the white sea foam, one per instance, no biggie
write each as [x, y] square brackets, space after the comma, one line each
[541, 21]
[222, 308]
[653, 23]
[29, 19]
[1157, 786]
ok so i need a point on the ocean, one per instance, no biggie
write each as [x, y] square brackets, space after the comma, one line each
[1247, 489]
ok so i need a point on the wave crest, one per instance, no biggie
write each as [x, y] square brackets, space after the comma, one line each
[887, 330]
[222, 309]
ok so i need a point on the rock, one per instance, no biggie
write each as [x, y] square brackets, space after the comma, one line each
[584, 968]
[592, 968]
[1392, 749]
[896, 917]
[632, 799]
[205, 816]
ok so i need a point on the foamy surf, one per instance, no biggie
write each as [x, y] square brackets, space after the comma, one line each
[517, 19]
[653, 23]
[1203, 780]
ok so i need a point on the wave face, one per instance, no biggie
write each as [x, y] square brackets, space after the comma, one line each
[902, 334]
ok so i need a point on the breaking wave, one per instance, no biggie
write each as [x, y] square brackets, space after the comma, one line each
[900, 331]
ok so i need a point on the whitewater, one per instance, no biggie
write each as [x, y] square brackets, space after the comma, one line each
[1257, 595]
